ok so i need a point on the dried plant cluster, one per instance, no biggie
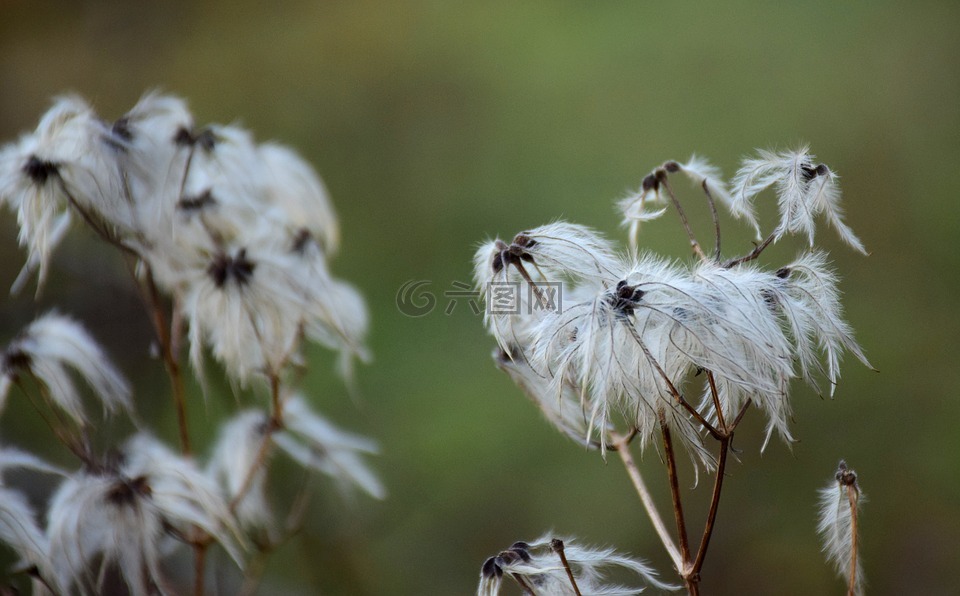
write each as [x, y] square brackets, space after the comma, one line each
[647, 351]
[229, 242]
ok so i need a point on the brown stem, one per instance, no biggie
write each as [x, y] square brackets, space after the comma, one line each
[623, 450]
[736, 421]
[716, 401]
[675, 493]
[292, 525]
[274, 423]
[170, 362]
[753, 254]
[662, 179]
[258, 461]
[523, 585]
[95, 225]
[714, 505]
[716, 220]
[854, 496]
[557, 545]
[199, 564]
[71, 440]
[673, 389]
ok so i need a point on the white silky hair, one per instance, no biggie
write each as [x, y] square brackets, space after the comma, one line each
[804, 190]
[52, 346]
[180, 197]
[122, 515]
[317, 444]
[233, 457]
[559, 402]
[627, 356]
[538, 566]
[835, 526]
[19, 527]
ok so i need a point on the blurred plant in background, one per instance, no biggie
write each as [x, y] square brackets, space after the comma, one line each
[228, 242]
[633, 349]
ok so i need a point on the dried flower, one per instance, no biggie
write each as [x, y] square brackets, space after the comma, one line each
[47, 349]
[804, 190]
[18, 521]
[121, 513]
[838, 526]
[317, 444]
[552, 567]
[700, 171]
[234, 456]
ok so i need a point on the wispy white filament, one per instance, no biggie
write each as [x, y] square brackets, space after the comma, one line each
[836, 525]
[537, 567]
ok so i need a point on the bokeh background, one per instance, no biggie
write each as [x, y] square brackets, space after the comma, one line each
[436, 125]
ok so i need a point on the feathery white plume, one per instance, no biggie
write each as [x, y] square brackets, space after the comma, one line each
[804, 191]
[18, 521]
[234, 455]
[52, 345]
[839, 528]
[120, 514]
[317, 444]
[562, 409]
[541, 567]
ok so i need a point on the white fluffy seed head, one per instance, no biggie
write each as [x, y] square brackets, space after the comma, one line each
[54, 346]
[804, 190]
[234, 455]
[839, 526]
[121, 513]
[537, 567]
[317, 444]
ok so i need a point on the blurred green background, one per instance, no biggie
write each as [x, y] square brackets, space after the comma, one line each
[438, 124]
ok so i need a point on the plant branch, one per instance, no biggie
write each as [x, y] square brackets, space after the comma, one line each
[623, 450]
[716, 220]
[673, 389]
[557, 545]
[716, 401]
[165, 336]
[753, 254]
[199, 564]
[675, 494]
[714, 505]
[662, 180]
[854, 496]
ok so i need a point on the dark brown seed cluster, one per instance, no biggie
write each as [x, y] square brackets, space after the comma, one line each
[625, 298]
[493, 567]
[514, 253]
[40, 170]
[225, 268]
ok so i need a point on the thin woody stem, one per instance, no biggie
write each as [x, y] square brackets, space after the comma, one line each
[716, 401]
[165, 336]
[199, 564]
[714, 505]
[274, 423]
[95, 225]
[854, 496]
[673, 389]
[662, 179]
[557, 545]
[61, 430]
[753, 254]
[736, 421]
[716, 220]
[523, 585]
[623, 450]
[675, 494]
